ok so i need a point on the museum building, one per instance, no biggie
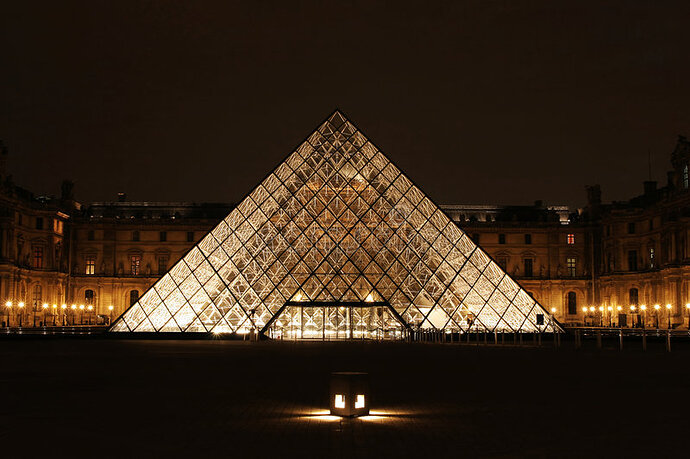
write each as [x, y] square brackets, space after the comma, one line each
[620, 263]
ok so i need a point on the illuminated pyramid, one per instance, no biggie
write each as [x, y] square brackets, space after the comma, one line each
[335, 243]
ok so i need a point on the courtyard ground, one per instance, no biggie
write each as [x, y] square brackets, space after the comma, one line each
[151, 398]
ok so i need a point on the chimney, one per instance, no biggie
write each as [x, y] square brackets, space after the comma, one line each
[593, 195]
[649, 187]
[121, 197]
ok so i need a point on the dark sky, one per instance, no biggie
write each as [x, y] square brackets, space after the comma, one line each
[478, 101]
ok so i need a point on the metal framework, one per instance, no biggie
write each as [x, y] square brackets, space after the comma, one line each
[335, 242]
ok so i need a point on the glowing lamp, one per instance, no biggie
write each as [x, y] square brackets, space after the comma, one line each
[45, 305]
[89, 307]
[584, 309]
[553, 310]
[64, 306]
[21, 304]
[601, 309]
[81, 306]
[668, 306]
[349, 395]
[610, 308]
[687, 306]
[8, 304]
[110, 308]
[657, 307]
[643, 307]
[632, 307]
[619, 308]
[591, 308]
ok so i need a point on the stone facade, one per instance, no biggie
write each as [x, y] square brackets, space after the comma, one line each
[617, 260]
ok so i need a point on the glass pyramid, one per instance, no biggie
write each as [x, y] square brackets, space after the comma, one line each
[335, 243]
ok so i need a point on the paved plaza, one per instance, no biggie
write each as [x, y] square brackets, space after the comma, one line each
[153, 398]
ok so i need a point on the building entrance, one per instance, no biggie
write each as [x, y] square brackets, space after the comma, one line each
[336, 321]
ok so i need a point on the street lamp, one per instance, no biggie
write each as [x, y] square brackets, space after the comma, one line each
[601, 316]
[632, 315]
[64, 314]
[110, 319]
[610, 309]
[656, 314]
[8, 305]
[45, 307]
[21, 312]
[668, 311]
[54, 313]
[74, 312]
[90, 308]
[644, 315]
[81, 314]
[687, 308]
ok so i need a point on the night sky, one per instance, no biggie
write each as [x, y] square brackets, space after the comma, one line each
[483, 102]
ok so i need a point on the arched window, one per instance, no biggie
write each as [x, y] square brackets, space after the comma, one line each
[572, 303]
[36, 299]
[133, 296]
[634, 296]
[686, 177]
[89, 297]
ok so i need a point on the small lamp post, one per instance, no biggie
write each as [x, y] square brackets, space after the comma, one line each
[668, 312]
[45, 309]
[687, 308]
[644, 315]
[610, 309]
[632, 315]
[619, 309]
[54, 313]
[656, 314]
[74, 312]
[21, 312]
[90, 313]
[584, 315]
[64, 314]
[8, 305]
[110, 318]
[81, 314]
[349, 395]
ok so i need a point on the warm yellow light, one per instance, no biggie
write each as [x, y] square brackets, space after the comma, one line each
[591, 309]
[8, 304]
[298, 297]
[55, 306]
[657, 307]
[81, 306]
[45, 305]
[359, 403]
[610, 308]
[110, 308]
[21, 304]
[687, 305]
[339, 401]
[89, 307]
[619, 308]
[601, 309]
[369, 298]
[584, 309]
[632, 307]
[553, 309]
[643, 307]
[668, 306]
[74, 306]
[64, 306]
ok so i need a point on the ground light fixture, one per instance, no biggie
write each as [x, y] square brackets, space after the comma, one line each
[349, 395]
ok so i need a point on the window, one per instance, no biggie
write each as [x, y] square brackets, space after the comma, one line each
[503, 263]
[634, 296]
[163, 236]
[190, 236]
[38, 257]
[90, 235]
[135, 236]
[651, 257]
[632, 260]
[631, 228]
[135, 263]
[133, 296]
[501, 238]
[162, 265]
[572, 303]
[528, 239]
[571, 265]
[36, 301]
[88, 297]
[570, 238]
[475, 238]
[686, 177]
[529, 264]
[39, 223]
[90, 265]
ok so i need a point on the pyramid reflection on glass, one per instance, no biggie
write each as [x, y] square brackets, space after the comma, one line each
[335, 243]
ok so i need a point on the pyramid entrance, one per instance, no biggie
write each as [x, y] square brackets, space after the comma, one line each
[336, 241]
[336, 321]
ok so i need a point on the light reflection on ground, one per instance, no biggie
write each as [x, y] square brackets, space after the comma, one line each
[373, 416]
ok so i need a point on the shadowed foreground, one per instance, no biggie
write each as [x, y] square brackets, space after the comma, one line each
[121, 398]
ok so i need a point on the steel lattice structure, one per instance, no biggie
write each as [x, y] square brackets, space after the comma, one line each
[336, 242]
